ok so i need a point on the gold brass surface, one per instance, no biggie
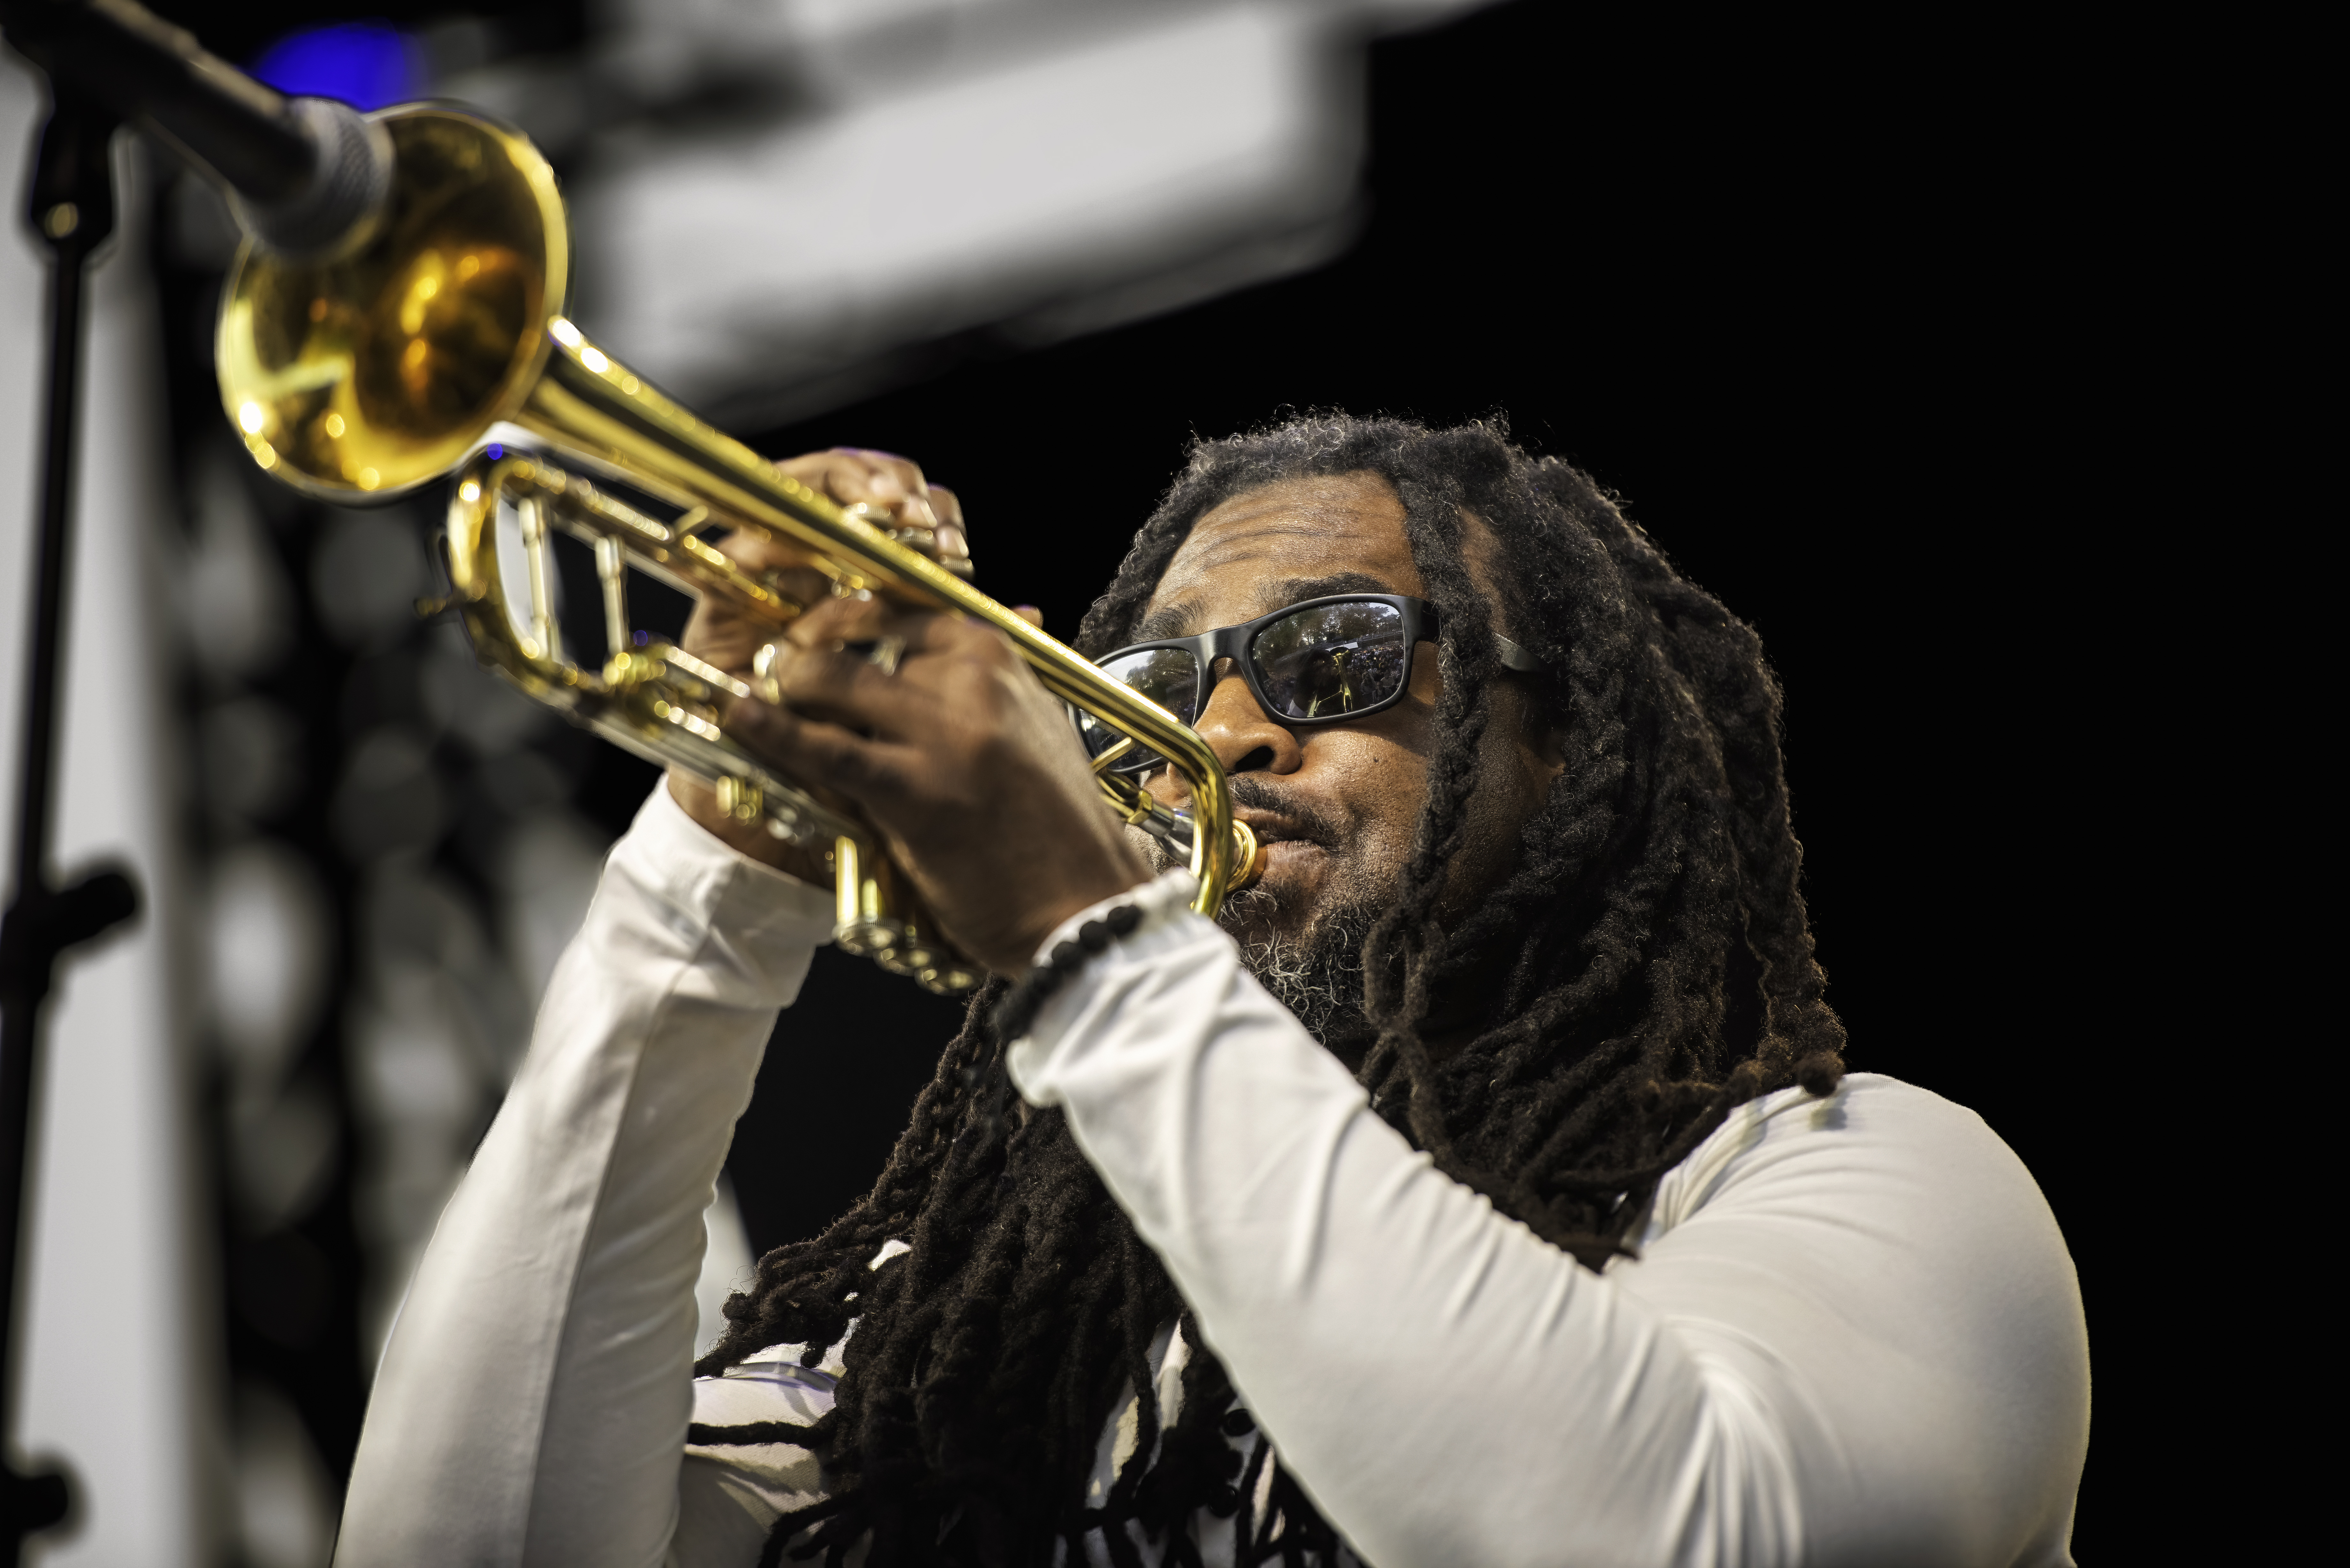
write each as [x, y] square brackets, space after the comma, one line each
[379, 372]
[373, 374]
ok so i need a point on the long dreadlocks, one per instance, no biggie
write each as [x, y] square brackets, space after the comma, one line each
[1649, 966]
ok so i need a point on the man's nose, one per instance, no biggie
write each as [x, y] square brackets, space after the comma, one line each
[1238, 731]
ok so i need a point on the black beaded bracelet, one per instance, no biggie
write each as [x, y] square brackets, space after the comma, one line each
[1021, 1004]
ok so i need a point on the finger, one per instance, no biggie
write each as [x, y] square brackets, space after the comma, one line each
[833, 621]
[781, 566]
[728, 634]
[891, 484]
[883, 483]
[904, 471]
[882, 675]
[818, 752]
[867, 686]
[844, 474]
[947, 505]
[755, 550]
[845, 689]
[1030, 614]
[952, 539]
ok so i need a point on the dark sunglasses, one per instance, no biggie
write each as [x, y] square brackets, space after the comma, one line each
[1326, 660]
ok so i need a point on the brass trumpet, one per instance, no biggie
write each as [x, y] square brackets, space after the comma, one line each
[365, 376]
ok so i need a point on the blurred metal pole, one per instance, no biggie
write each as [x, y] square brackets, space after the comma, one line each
[70, 205]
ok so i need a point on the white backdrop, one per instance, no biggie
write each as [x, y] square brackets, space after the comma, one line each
[120, 1375]
[882, 175]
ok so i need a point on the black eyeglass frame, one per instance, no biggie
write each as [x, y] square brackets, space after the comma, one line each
[1232, 642]
[1420, 624]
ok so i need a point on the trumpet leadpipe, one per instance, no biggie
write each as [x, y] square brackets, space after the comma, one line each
[1173, 828]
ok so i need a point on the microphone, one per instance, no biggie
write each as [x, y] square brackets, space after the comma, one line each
[306, 177]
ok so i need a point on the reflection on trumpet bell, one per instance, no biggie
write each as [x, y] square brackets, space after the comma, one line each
[376, 372]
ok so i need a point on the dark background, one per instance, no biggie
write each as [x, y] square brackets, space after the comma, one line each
[1847, 318]
[1841, 340]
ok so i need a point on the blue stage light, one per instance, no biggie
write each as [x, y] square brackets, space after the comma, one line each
[365, 64]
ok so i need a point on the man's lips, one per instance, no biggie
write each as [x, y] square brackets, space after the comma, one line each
[1270, 829]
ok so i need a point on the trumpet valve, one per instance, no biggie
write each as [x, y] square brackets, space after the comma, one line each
[864, 925]
[868, 925]
[869, 938]
[950, 978]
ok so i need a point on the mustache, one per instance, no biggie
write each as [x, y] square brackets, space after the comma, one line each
[1299, 818]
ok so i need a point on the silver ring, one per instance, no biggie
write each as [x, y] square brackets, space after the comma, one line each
[886, 651]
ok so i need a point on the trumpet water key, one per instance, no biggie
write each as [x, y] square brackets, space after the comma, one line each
[369, 374]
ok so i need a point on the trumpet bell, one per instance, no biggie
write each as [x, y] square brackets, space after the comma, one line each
[367, 375]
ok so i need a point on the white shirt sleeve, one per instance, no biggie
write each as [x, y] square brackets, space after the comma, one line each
[532, 1403]
[1854, 1335]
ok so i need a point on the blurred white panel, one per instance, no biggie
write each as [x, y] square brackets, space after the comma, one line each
[779, 257]
[121, 1354]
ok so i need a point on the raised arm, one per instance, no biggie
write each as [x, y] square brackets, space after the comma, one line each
[532, 1403]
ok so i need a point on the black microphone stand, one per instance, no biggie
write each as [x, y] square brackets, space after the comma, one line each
[71, 208]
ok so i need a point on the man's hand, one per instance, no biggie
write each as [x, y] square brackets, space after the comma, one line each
[893, 491]
[970, 770]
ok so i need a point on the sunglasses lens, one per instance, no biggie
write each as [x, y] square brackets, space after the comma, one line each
[1168, 677]
[1329, 660]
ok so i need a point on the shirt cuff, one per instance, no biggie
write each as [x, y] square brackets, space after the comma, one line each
[1168, 926]
[705, 881]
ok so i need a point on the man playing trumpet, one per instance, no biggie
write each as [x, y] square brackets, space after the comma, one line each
[1487, 1190]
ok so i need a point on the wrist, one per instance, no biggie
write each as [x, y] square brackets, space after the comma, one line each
[1087, 933]
[1019, 949]
[1064, 886]
[749, 839]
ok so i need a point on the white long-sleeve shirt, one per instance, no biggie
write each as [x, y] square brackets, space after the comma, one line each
[1853, 1334]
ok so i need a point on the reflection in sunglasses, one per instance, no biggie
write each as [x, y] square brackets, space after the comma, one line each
[1330, 660]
